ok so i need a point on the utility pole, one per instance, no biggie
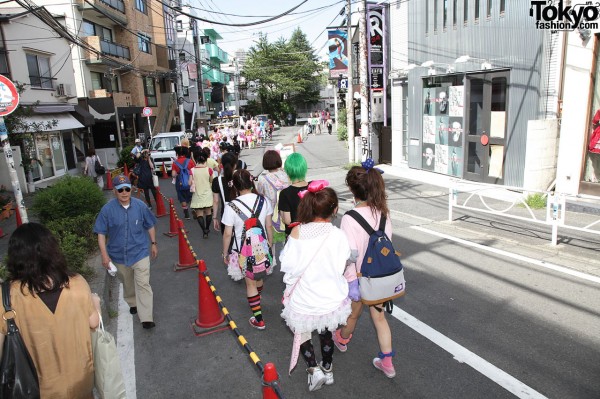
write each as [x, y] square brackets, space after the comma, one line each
[364, 77]
[180, 91]
[349, 89]
[236, 87]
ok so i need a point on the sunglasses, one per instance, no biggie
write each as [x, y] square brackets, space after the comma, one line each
[128, 189]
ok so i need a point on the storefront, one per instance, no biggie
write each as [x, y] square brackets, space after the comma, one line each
[464, 125]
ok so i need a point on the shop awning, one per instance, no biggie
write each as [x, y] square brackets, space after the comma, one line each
[65, 121]
[83, 116]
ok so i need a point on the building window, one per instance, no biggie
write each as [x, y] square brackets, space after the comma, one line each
[88, 28]
[149, 92]
[466, 11]
[39, 71]
[502, 7]
[445, 16]
[179, 25]
[454, 8]
[144, 43]
[489, 9]
[141, 6]
[97, 80]
[477, 11]
[435, 15]
[426, 16]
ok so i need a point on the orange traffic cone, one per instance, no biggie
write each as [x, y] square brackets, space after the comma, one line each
[164, 171]
[187, 257]
[160, 204]
[300, 136]
[125, 170]
[210, 317]
[270, 382]
[172, 221]
[109, 185]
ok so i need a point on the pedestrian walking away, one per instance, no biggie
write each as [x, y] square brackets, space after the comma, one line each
[295, 167]
[184, 194]
[223, 190]
[144, 180]
[316, 294]
[202, 194]
[90, 168]
[127, 238]
[54, 311]
[368, 188]
[242, 218]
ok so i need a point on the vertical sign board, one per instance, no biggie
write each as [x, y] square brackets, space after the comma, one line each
[338, 53]
[9, 101]
[377, 43]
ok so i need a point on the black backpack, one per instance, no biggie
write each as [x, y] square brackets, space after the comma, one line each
[98, 168]
[381, 276]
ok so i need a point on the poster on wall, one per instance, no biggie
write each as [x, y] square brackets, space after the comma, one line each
[441, 158]
[455, 131]
[428, 157]
[429, 102]
[429, 129]
[441, 123]
[456, 100]
[455, 161]
[441, 102]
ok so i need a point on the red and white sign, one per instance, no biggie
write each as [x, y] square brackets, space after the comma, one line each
[9, 97]
[192, 70]
[147, 111]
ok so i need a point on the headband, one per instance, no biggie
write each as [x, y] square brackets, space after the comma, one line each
[314, 187]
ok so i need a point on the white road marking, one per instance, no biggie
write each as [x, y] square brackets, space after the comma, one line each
[540, 263]
[125, 345]
[463, 355]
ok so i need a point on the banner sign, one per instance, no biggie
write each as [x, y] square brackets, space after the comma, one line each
[338, 53]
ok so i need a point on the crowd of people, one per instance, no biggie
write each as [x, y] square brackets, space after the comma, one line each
[320, 261]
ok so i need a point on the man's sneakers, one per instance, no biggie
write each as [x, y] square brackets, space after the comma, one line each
[259, 325]
[316, 378]
[328, 373]
[389, 372]
[341, 343]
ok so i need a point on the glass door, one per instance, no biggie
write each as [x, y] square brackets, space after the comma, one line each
[486, 126]
[57, 154]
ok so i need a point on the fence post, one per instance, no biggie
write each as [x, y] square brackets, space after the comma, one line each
[451, 194]
[555, 209]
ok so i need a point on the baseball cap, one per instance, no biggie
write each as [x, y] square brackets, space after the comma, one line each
[121, 181]
[137, 141]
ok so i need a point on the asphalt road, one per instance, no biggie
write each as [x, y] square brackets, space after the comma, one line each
[474, 323]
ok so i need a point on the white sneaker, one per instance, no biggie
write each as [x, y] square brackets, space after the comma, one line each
[316, 378]
[328, 373]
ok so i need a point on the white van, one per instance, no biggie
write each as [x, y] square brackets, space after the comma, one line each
[162, 149]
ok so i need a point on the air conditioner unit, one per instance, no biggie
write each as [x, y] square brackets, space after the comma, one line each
[63, 90]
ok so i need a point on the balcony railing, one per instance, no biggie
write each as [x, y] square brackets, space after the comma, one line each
[214, 75]
[114, 49]
[116, 4]
[215, 51]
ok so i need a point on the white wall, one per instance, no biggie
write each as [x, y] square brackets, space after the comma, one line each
[541, 154]
[29, 29]
[398, 59]
[576, 97]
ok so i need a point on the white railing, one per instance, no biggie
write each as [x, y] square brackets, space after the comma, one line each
[507, 202]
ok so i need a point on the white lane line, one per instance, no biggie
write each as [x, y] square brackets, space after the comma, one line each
[540, 263]
[125, 345]
[463, 355]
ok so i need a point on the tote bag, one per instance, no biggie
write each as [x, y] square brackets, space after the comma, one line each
[108, 378]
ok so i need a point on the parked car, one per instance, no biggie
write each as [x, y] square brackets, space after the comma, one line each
[162, 149]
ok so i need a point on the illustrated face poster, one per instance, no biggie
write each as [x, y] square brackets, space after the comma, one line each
[429, 101]
[456, 100]
[441, 103]
[455, 131]
[441, 124]
[428, 157]
[455, 161]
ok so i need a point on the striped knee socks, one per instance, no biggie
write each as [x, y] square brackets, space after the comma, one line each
[254, 302]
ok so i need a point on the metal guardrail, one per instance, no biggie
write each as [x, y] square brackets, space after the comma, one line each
[512, 198]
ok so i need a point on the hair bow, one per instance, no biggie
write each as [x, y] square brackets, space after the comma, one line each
[369, 164]
[313, 187]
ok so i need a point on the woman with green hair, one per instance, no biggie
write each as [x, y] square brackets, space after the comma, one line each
[295, 166]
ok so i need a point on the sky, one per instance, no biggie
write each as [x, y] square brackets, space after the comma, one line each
[313, 17]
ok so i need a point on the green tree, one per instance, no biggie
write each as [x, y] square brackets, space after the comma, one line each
[286, 73]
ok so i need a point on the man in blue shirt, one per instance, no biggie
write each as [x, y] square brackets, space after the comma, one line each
[136, 151]
[126, 237]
